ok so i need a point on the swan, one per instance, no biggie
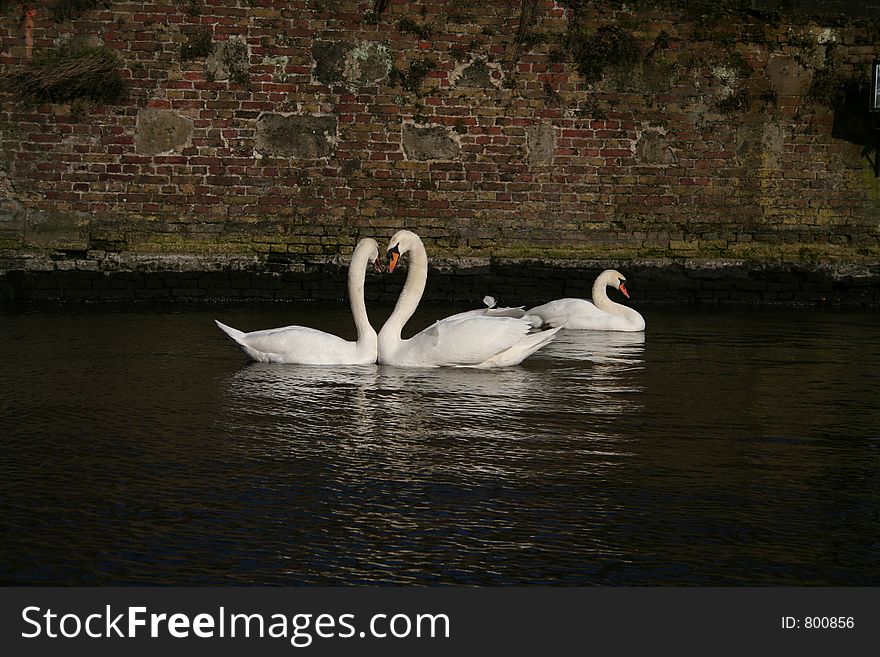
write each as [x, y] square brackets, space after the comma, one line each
[470, 339]
[308, 346]
[600, 314]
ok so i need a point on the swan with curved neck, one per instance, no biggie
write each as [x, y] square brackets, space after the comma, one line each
[600, 314]
[308, 346]
[465, 340]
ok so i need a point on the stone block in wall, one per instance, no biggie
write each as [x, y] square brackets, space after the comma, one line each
[540, 144]
[423, 143]
[352, 64]
[477, 73]
[787, 76]
[772, 143]
[161, 131]
[367, 63]
[653, 148]
[12, 218]
[229, 60]
[302, 136]
[56, 230]
[329, 59]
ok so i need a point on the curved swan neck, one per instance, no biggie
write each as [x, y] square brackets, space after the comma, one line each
[413, 288]
[357, 272]
[600, 295]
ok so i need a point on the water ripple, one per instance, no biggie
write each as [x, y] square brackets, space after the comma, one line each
[716, 448]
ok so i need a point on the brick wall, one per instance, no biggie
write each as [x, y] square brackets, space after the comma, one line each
[274, 134]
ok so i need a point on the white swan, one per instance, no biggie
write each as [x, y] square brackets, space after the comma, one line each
[466, 340]
[308, 346]
[600, 314]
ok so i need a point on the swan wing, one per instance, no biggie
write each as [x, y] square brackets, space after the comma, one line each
[583, 314]
[466, 340]
[294, 344]
[562, 312]
[511, 311]
[561, 307]
[517, 353]
[490, 311]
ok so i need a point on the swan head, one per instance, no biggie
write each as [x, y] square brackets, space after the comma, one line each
[401, 242]
[369, 246]
[613, 278]
[373, 258]
[393, 255]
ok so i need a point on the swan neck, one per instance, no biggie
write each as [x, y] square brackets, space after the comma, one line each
[357, 272]
[411, 295]
[601, 300]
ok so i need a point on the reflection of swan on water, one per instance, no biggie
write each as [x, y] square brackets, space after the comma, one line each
[624, 348]
[294, 389]
[308, 346]
[306, 400]
[480, 341]
[486, 406]
[406, 424]
[598, 369]
[288, 385]
[600, 314]
[299, 411]
[505, 384]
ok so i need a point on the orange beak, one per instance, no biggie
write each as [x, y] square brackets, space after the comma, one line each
[622, 288]
[393, 257]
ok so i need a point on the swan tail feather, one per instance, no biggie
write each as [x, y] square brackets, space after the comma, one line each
[254, 354]
[521, 350]
[235, 334]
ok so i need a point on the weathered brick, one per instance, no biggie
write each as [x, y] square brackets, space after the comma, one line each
[529, 151]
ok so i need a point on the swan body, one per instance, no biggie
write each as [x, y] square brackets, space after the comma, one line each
[469, 339]
[600, 314]
[308, 346]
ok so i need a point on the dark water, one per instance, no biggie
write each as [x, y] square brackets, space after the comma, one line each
[722, 447]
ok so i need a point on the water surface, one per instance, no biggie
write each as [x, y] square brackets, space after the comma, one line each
[720, 447]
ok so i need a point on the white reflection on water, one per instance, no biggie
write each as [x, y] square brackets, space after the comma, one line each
[484, 422]
[587, 368]
[616, 348]
[613, 385]
[299, 399]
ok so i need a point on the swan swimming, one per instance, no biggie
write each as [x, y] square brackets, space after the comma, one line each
[308, 346]
[470, 339]
[600, 314]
